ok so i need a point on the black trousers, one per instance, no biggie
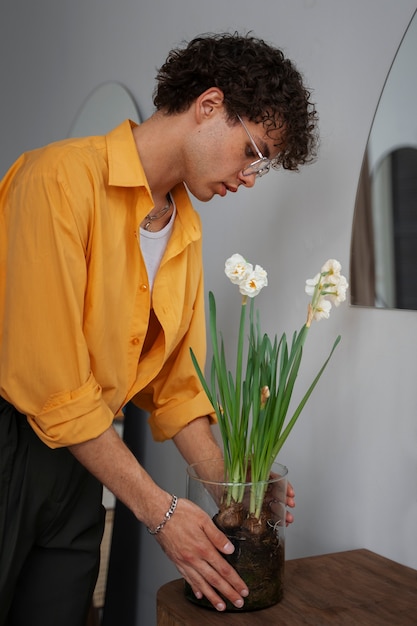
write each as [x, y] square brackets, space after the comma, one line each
[51, 525]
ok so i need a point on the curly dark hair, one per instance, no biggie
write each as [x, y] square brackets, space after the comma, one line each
[257, 81]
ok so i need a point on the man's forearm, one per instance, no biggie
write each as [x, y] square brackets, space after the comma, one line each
[110, 460]
[196, 442]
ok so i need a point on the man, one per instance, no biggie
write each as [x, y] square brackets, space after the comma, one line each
[101, 298]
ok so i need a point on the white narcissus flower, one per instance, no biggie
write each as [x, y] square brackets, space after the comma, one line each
[237, 269]
[338, 294]
[326, 288]
[311, 284]
[322, 309]
[331, 267]
[253, 283]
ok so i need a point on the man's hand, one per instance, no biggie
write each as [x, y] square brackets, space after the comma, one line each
[290, 501]
[193, 543]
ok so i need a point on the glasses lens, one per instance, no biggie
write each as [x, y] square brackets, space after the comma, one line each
[259, 167]
[264, 169]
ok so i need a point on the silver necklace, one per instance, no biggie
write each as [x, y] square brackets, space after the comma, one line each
[157, 216]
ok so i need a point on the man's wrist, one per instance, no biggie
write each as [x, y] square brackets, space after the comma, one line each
[167, 516]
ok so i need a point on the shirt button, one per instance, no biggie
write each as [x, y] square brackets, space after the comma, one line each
[143, 287]
[135, 341]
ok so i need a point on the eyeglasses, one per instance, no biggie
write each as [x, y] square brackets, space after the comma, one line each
[262, 165]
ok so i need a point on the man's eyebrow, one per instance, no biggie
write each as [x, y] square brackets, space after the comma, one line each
[264, 147]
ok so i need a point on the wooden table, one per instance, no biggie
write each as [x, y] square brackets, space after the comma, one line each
[357, 587]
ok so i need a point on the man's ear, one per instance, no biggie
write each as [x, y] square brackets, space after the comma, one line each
[209, 103]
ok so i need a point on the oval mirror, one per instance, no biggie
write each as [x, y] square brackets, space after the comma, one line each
[383, 261]
[107, 106]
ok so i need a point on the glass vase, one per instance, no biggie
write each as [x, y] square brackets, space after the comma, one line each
[252, 516]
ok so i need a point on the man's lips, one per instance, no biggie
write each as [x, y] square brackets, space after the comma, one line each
[226, 188]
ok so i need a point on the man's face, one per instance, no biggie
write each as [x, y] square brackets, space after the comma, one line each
[219, 153]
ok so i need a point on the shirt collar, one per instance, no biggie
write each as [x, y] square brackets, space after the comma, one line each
[125, 170]
[125, 167]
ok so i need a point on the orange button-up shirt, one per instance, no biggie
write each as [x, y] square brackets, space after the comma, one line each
[75, 300]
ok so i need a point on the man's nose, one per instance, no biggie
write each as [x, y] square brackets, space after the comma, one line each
[248, 180]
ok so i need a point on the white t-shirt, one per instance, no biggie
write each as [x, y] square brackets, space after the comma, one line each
[153, 245]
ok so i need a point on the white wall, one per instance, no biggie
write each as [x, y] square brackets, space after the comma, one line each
[353, 455]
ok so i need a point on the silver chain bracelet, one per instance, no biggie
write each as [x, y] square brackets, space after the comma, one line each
[167, 517]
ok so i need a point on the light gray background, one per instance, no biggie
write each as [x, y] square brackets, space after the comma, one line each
[352, 456]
